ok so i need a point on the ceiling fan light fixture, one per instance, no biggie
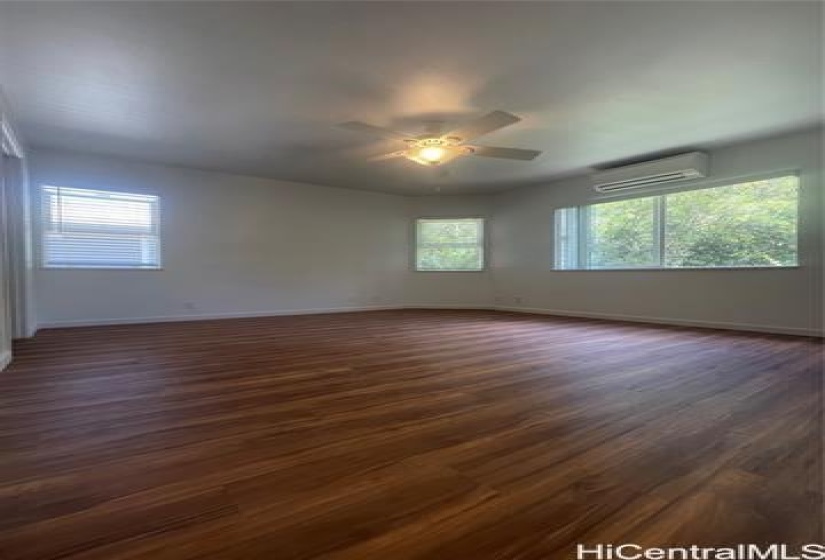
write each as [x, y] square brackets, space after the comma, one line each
[433, 151]
[433, 148]
[432, 154]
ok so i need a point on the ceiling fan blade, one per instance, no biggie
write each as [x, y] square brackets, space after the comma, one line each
[483, 125]
[506, 153]
[391, 155]
[357, 126]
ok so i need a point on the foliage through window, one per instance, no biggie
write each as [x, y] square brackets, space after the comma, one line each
[751, 224]
[84, 228]
[453, 244]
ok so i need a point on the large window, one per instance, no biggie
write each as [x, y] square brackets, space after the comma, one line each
[749, 224]
[85, 228]
[454, 244]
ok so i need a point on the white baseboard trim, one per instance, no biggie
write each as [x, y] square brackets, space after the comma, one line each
[666, 321]
[241, 315]
[532, 310]
[209, 316]
[445, 306]
[30, 333]
[5, 359]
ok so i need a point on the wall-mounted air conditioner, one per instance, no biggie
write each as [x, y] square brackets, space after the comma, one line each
[650, 173]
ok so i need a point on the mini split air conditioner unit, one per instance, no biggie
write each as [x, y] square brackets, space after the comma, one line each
[650, 173]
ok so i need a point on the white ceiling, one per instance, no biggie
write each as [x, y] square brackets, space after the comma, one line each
[255, 88]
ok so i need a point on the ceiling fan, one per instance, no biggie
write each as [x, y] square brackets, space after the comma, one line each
[436, 148]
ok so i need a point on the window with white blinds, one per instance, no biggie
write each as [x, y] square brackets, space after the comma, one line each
[85, 228]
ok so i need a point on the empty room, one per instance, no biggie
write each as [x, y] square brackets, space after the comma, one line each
[412, 280]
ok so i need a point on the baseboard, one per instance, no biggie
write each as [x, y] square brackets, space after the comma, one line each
[5, 359]
[533, 310]
[209, 316]
[30, 333]
[667, 321]
[445, 306]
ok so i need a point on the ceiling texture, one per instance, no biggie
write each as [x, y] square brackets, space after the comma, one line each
[256, 87]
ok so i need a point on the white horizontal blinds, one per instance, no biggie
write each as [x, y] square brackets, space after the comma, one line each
[450, 244]
[92, 228]
[567, 238]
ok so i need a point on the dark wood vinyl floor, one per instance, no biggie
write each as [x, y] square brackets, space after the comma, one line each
[466, 435]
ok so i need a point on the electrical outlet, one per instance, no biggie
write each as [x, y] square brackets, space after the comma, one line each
[517, 300]
[188, 305]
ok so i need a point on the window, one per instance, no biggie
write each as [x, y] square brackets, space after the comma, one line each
[751, 224]
[85, 228]
[454, 244]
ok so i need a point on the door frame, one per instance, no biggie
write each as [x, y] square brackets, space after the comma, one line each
[19, 245]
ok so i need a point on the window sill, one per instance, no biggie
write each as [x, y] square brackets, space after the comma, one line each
[669, 269]
[148, 268]
[448, 270]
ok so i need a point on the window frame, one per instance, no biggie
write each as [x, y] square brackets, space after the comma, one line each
[582, 236]
[41, 230]
[482, 243]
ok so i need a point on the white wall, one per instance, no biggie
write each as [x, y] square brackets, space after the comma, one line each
[232, 245]
[450, 289]
[242, 245]
[788, 300]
